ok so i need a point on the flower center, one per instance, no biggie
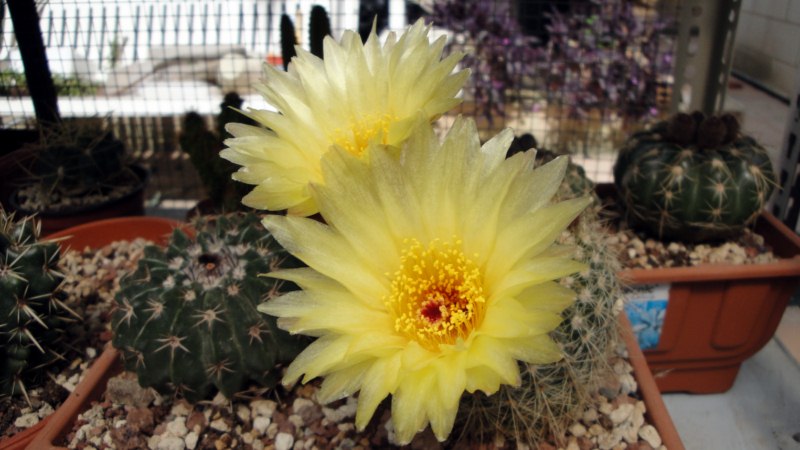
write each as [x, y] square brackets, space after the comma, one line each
[362, 131]
[437, 294]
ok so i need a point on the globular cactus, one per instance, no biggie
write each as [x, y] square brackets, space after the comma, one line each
[186, 320]
[693, 178]
[32, 314]
[551, 396]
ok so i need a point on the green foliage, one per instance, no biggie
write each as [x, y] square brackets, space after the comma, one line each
[319, 27]
[32, 315]
[203, 147]
[13, 82]
[693, 178]
[186, 320]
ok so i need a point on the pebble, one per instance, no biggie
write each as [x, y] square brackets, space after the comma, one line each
[263, 408]
[260, 424]
[170, 443]
[650, 435]
[577, 430]
[191, 440]
[27, 420]
[243, 413]
[220, 425]
[621, 414]
[177, 427]
[284, 441]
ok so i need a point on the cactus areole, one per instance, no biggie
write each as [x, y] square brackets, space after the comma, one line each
[693, 178]
[186, 320]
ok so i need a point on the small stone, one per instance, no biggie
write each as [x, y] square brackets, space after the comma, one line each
[171, 443]
[181, 408]
[91, 352]
[220, 425]
[260, 424]
[596, 430]
[196, 421]
[650, 435]
[191, 440]
[177, 427]
[590, 416]
[284, 441]
[621, 414]
[219, 399]
[296, 420]
[263, 408]
[124, 389]
[243, 413]
[26, 420]
[140, 419]
[577, 430]
[258, 445]
[248, 438]
[44, 410]
[272, 430]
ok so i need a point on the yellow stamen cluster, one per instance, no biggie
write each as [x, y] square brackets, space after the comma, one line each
[362, 131]
[437, 294]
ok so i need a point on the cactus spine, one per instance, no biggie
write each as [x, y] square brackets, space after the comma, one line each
[186, 320]
[32, 315]
[693, 178]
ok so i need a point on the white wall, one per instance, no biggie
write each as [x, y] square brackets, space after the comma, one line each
[767, 46]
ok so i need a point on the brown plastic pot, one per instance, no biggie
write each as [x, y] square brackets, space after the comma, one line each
[95, 235]
[94, 385]
[718, 315]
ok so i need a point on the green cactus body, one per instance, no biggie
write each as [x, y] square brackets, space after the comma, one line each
[186, 320]
[32, 316]
[693, 182]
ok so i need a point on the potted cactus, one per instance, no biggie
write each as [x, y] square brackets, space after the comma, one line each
[34, 297]
[77, 172]
[697, 179]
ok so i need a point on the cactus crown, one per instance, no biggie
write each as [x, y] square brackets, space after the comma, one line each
[186, 320]
[701, 131]
[32, 315]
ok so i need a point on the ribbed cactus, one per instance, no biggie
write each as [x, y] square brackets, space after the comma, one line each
[551, 396]
[693, 178]
[32, 315]
[186, 320]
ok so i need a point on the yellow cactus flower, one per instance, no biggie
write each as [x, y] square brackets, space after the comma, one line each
[358, 95]
[433, 275]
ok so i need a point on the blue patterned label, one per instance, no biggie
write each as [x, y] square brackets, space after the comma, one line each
[646, 306]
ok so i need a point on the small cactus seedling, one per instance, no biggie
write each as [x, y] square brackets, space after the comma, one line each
[186, 320]
[32, 315]
[694, 178]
